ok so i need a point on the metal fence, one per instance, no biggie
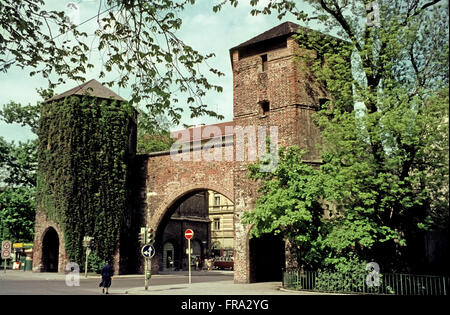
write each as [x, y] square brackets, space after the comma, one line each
[397, 284]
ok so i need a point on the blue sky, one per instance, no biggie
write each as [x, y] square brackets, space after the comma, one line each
[204, 30]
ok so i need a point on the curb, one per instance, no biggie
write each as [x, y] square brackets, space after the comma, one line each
[307, 292]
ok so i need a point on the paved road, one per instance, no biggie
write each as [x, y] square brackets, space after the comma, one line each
[30, 283]
[203, 283]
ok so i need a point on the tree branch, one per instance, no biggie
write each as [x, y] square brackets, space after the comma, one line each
[417, 12]
[341, 20]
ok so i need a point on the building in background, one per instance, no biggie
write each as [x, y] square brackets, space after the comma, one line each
[222, 232]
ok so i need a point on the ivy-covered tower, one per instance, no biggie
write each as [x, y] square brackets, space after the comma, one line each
[87, 140]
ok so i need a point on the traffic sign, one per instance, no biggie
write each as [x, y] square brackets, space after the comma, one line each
[188, 234]
[6, 249]
[148, 251]
[6, 253]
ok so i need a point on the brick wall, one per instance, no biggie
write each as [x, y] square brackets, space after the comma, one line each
[168, 180]
[293, 97]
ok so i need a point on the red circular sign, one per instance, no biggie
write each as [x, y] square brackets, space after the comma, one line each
[188, 234]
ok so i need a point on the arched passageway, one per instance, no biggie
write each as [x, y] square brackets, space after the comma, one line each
[267, 258]
[209, 214]
[50, 251]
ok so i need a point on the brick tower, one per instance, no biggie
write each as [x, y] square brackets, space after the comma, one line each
[270, 90]
[59, 167]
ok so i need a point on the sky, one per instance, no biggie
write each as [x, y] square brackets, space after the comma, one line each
[204, 30]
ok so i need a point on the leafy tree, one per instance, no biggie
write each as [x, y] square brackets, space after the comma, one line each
[153, 134]
[137, 43]
[385, 132]
[18, 172]
[17, 213]
[289, 204]
[17, 191]
[19, 163]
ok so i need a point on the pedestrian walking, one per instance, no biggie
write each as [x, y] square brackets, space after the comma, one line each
[106, 274]
[199, 263]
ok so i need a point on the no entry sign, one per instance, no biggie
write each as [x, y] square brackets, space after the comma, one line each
[188, 234]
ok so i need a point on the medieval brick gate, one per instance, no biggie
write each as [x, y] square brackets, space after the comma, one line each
[271, 90]
[169, 181]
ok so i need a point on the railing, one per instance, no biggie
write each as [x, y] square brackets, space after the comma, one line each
[389, 283]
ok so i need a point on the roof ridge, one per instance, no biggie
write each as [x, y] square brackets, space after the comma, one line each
[91, 87]
[283, 29]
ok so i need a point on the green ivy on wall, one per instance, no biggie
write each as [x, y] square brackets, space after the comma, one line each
[82, 172]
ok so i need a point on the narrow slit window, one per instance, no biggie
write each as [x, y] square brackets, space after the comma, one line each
[264, 62]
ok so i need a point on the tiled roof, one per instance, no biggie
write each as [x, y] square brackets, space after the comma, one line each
[197, 133]
[284, 29]
[91, 87]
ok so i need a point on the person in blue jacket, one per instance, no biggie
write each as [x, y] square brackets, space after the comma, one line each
[106, 273]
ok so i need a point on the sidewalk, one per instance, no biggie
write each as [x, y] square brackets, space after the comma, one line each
[217, 288]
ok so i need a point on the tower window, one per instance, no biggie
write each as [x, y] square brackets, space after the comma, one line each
[264, 62]
[265, 107]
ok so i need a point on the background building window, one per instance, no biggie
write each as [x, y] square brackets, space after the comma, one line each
[216, 224]
[217, 200]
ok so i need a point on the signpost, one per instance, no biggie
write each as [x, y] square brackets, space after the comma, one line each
[188, 234]
[6, 251]
[87, 244]
[147, 237]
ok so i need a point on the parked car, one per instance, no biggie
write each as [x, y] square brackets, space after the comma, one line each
[224, 262]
